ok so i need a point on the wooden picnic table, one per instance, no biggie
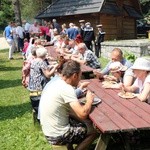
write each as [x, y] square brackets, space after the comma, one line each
[52, 52]
[115, 114]
[87, 72]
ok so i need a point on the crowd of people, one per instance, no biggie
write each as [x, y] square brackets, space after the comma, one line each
[55, 86]
[17, 35]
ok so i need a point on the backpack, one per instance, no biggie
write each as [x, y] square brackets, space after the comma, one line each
[26, 73]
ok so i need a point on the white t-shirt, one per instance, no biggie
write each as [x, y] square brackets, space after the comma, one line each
[54, 107]
[19, 31]
[138, 83]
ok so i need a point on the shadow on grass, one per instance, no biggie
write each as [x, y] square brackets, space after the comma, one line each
[9, 83]
[3, 68]
[13, 111]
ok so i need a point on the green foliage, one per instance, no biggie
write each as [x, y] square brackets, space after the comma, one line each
[103, 61]
[145, 4]
[30, 8]
[6, 13]
[129, 56]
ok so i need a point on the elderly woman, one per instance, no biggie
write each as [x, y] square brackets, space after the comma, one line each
[141, 69]
[40, 74]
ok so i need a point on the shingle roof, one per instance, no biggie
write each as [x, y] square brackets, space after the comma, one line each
[71, 7]
[132, 12]
[111, 8]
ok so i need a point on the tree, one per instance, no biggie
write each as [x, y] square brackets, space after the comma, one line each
[17, 12]
[30, 8]
[6, 13]
[145, 4]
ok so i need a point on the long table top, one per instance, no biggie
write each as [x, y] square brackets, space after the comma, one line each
[115, 114]
[52, 53]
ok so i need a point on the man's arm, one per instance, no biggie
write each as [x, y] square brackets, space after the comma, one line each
[82, 111]
[75, 58]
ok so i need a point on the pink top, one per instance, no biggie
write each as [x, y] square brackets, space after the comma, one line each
[26, 44]
[47, 31]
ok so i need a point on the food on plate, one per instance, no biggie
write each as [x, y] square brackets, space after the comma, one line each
[109, 78]
[95, 101]
[127, 95]
[109, 82]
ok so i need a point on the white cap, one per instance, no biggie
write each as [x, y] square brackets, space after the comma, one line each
[117, 66]
[99, 25]
[81, 21]
[88, 23]
[141, 64]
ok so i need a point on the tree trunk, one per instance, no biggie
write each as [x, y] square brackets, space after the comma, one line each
[16, 7]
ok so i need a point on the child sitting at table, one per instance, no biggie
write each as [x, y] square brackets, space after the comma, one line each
[118, 74]
[141, 69]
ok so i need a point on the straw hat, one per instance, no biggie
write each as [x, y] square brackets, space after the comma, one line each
[141, 64]
[117, 66]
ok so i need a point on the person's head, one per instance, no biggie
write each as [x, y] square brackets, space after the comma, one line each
[55, 32]
[64, 26]
[37, 41]
[71, 25]
[25, 40]
[88, 24]
[11, 23]
[24, 22]
[45, 22]
[33, 51]
[141, 67]
[72, 71]
[66, 40]
[54, 21]
[41, 52]
[35, 23]
[81, 22]
[117, 69]
[99, 27]
[116, 55]
[82, 48]
[72, 43]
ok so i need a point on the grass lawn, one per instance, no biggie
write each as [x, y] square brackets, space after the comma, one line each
[17, 131]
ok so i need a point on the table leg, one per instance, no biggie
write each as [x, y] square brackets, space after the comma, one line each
[102, 142]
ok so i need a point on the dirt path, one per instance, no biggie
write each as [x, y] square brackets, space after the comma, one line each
[3, 43]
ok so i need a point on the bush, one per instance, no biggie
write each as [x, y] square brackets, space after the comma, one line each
[130, 56]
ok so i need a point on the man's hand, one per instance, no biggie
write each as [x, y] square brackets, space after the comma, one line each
[97, 73]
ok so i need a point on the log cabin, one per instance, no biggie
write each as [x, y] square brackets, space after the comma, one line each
[118, 17]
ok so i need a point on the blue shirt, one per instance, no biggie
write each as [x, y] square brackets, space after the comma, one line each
[123, 62]
[8, 32]
[72, 33]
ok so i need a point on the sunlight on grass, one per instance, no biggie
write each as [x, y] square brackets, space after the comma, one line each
[17, 131]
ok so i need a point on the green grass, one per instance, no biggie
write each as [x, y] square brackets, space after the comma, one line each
[17, 131]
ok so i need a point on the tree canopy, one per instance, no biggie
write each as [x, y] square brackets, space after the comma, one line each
[6, 12]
